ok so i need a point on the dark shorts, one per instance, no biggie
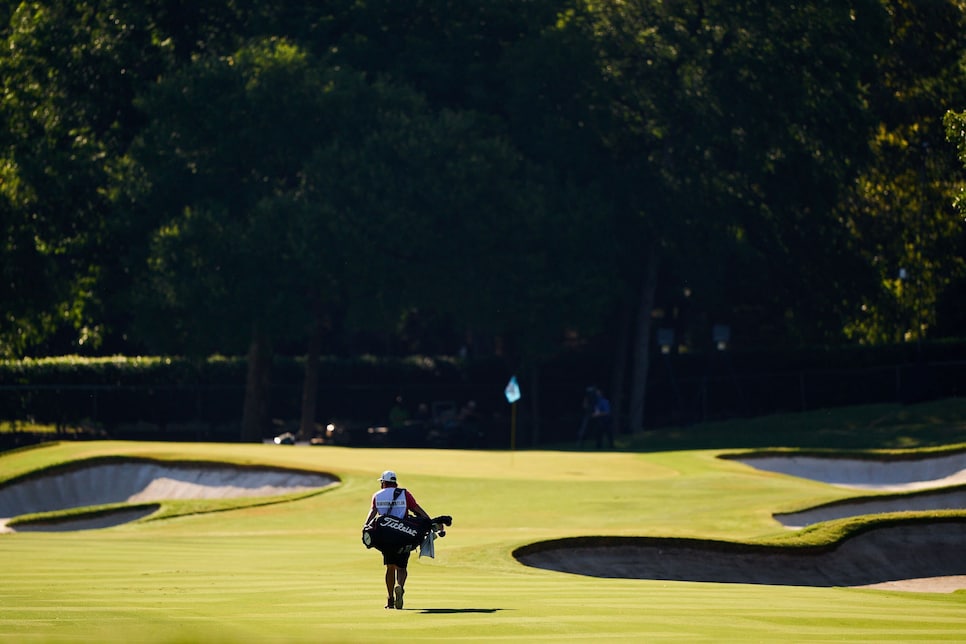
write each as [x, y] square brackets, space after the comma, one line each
[400, 560]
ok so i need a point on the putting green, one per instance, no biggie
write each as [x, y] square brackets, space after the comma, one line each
[230, 570]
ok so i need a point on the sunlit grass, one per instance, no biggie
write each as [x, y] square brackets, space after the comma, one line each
[297, 571]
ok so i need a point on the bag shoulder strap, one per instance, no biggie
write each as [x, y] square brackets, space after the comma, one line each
[395, 495]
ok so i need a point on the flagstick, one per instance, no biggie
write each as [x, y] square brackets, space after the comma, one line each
[512, 393]
[513, 427]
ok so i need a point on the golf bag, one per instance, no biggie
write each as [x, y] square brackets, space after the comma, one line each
[389, 534]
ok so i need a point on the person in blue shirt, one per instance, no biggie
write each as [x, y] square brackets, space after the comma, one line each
[601, 421]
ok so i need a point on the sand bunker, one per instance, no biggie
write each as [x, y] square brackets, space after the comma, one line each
[930, 476]
[920, 555]
[951, 499]
[141, 482]
[882, 555]
[866, 474]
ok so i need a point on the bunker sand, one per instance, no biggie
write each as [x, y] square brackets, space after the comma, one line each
[918, 555]
[892, 474]
[895, 553]
[139, 483]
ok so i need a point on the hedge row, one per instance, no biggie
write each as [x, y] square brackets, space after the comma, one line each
[575, 366]
[168, 391]
[218, 370]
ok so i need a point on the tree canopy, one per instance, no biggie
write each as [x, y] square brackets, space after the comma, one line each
[261, 176]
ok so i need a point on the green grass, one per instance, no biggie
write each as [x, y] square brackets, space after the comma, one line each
[297, 571]
[885, 426]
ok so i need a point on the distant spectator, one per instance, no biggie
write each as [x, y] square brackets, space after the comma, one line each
[469, 419]
[423, 415]
[398, 415]
[597, 419]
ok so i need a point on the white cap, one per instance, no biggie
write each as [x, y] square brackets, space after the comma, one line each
[388, 477]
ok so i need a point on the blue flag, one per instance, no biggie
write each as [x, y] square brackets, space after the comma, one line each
[512, 391]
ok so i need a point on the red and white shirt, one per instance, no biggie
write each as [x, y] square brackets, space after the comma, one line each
[382, 502]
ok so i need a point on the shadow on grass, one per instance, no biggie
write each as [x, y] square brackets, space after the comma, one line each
[452, 611]
[886, 426]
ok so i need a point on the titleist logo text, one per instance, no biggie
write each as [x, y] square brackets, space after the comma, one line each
[396, 524]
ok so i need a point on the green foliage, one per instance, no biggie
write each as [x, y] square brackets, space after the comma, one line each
[219, 370]
[900, 211]
[224, 161]
[732, 136]
[110, 370]
[956, 134]
[74, 391]
[182, 178]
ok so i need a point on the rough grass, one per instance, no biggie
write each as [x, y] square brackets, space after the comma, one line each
[297, 571]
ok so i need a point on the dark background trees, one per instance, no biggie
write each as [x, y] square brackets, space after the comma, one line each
[505, 175]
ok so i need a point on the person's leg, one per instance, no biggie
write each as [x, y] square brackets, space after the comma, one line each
[401, 574]
[581, 431]
[390, 583]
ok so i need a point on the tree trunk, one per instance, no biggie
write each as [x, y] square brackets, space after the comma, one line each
[620, 369]
[310, 383]
[642, 342]
[534, 406]
[255, 411]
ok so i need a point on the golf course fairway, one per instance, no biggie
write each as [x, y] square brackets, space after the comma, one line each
[290, 566]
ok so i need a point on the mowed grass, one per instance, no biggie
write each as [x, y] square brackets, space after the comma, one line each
[296, 571]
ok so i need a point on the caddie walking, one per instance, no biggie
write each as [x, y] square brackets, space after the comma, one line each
[390, 500]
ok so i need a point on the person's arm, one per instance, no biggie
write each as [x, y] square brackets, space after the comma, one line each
[413, 507]
[372, 512]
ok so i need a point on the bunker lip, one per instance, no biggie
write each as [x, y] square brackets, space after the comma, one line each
[916, 554]
[86, 521]
[138, 481]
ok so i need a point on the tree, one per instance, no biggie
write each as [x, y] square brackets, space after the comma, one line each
[294, 186]
[546, 264]
[437, 212]
[67, 73]
[731, 132]
[229, 136]
[956, 134]
[900, 209]
[950, 312]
